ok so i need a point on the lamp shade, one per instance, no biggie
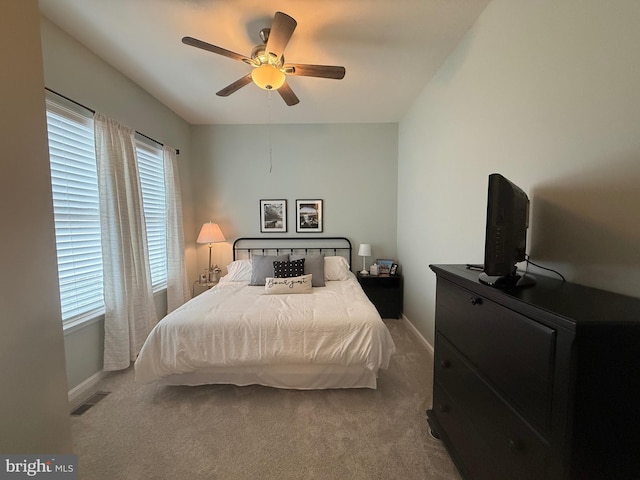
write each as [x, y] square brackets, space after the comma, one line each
[268, 77]
[210, 233]
[364, 250]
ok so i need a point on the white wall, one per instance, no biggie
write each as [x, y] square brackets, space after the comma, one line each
[547, 94]
[77, 73]
[353, 168]
[33, 404]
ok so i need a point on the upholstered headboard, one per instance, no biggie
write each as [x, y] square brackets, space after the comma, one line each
[243, 247]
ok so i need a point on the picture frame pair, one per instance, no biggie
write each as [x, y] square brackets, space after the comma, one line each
[309, 216]
[386, 267]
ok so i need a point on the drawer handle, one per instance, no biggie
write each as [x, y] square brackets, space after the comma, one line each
[445, 363]
[476, 301]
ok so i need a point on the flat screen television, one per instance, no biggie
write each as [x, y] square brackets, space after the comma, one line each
[505, 234]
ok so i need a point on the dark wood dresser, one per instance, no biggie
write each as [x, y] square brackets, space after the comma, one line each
[536, 383]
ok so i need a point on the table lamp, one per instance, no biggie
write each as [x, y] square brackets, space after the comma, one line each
[364, 251]
[210, 233]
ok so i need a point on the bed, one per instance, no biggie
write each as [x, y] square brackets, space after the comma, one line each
[315, 329]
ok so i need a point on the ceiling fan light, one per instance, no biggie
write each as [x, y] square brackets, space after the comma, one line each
[268, 77]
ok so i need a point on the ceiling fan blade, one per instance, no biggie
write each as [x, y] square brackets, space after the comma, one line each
[281, 30]
[194, 42]
[235, 86]
[322, 71]
[287, 95]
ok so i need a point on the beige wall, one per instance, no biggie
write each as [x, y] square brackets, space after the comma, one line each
[545, 93]
[34, 414]
[353, 168]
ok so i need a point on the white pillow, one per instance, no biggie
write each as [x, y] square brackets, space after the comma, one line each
[279, 286]
[336, 268]
[238, 271]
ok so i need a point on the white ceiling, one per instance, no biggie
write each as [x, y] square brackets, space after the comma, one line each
[390, 49]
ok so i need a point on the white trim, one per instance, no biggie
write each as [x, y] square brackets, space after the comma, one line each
[82, 321]
[80, 393]
[417, 333]
[64, 106]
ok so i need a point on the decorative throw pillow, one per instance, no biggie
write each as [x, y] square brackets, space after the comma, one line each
[285, 286]
[313, 264]
[288, 269]
[262, 267]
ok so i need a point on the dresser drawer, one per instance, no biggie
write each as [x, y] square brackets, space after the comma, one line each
[514, 353]
[493, 426]
[469, 450]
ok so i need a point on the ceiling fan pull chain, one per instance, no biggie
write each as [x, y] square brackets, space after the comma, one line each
[270, 132]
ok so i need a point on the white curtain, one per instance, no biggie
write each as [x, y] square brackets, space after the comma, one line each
[128, 295]
[177, 288]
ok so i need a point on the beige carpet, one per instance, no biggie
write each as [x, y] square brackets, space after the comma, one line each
[228, 432]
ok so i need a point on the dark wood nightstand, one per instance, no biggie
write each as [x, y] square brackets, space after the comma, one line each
[384, 292]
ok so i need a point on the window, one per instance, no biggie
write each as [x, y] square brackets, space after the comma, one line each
[151, 170]
[76, 211]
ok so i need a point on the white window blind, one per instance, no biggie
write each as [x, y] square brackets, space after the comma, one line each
[76, 211]
[151, 171]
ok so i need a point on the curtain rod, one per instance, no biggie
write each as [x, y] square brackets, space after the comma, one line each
[93, 111]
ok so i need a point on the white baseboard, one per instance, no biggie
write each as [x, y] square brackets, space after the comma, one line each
[80, 393]
[417, 333]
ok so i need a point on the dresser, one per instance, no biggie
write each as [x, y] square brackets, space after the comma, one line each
[536, 383]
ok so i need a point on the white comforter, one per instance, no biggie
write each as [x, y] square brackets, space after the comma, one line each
[234, 324]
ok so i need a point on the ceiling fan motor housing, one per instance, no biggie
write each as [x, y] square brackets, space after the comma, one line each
[264, 35]
[261, 57]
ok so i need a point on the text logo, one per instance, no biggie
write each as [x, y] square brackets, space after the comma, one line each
[50, 467]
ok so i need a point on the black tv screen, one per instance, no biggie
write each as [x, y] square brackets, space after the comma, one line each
[505, 234]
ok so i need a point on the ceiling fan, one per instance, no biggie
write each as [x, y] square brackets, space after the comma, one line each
[269, 68]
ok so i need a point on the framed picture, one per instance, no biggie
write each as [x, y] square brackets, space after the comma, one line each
[384, 266]
[308, 216]
[273, 216]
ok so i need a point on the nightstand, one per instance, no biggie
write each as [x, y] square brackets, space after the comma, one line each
[385, 292]
[197, 288]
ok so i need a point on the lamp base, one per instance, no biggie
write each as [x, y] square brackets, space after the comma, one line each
[364, 270]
